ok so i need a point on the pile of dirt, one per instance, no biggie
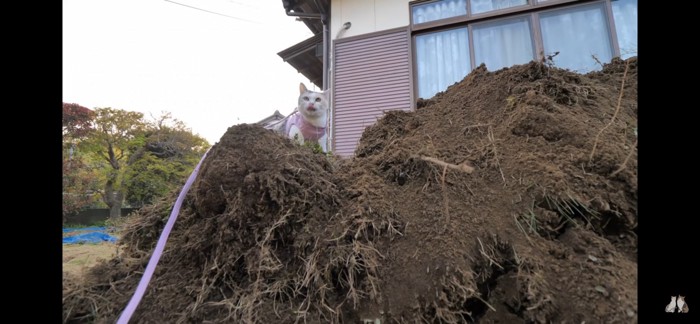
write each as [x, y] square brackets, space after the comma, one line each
[510, 197]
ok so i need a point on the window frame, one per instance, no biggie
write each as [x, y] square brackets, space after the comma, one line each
[440, 21]
[532, 9]
[532, 5]
[414, 54]
[530, 18]
[609, 19]
[529, 3]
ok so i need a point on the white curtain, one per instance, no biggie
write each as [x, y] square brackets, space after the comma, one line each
[625, 15]
[438, 10]
[442, 58]
[503, 43]
[579, 34]
[479, 6]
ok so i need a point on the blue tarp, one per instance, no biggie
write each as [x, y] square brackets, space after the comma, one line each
[85, 229]
[91, 235]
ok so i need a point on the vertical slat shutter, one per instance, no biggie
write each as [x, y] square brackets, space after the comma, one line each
[372, 75]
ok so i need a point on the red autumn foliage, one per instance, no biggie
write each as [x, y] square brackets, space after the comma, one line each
[77, 120]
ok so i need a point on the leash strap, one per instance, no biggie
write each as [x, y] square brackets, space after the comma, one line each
[155, 257]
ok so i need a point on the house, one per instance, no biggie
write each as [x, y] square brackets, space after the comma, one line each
[378, 55]
[272, 119]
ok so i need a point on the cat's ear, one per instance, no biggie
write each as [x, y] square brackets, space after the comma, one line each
[327, 93]
[302, 88]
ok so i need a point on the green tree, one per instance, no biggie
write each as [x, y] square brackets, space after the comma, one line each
[117, 139]
[169, 155]
[139, 161]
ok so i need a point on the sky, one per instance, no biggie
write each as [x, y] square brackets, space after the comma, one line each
[210, 63]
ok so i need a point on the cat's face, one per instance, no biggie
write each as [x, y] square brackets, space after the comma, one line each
[313, 105]
[681, 298]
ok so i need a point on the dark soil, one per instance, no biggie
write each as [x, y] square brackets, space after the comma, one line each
[543, 228]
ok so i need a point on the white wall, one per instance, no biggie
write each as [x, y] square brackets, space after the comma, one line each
[367, 16]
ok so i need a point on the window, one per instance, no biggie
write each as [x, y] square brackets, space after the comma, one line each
[479, 6]
[625, 14]
[581, 36]
[438, 10]
[451, 37]
[503, 43]
[442, 58]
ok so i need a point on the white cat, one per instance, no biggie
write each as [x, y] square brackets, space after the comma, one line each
[671, 307]
[309, 121]
[682, 306]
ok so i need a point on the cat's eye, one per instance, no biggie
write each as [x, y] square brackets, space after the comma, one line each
[318, 99]
[306, 98]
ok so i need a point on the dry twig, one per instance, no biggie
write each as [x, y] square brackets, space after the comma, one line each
[617, 110]
[495, 154]
[464, 167]
[627, 158]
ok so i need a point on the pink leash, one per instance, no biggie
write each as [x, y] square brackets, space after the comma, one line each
[153, 262]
